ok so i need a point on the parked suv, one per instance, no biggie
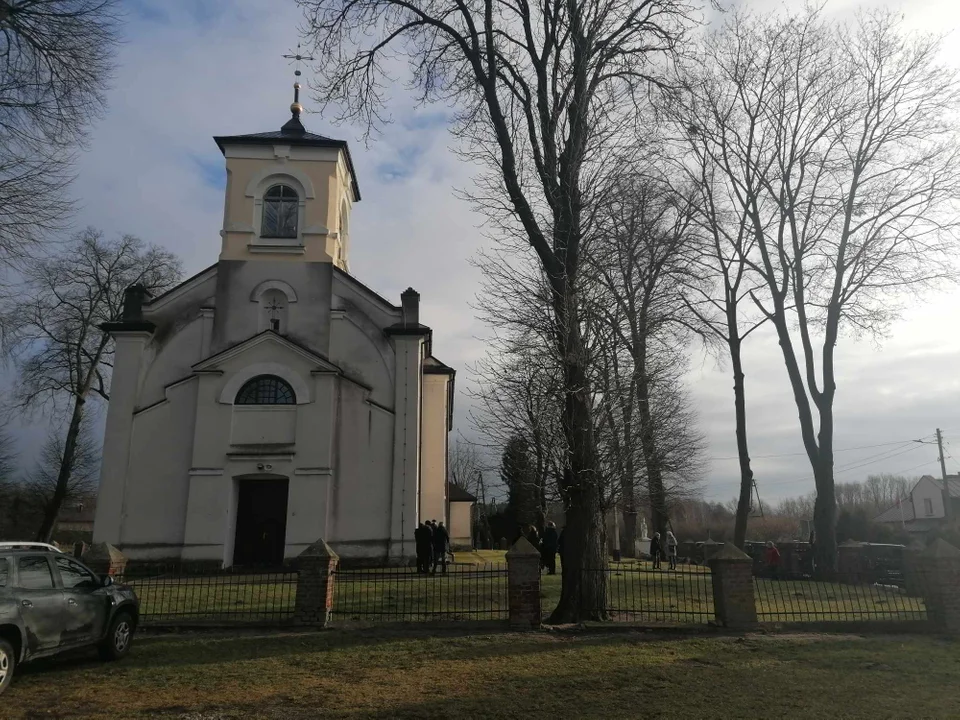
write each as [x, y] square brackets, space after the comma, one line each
[51, 603]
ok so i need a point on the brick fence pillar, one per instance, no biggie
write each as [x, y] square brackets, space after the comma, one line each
[105, 559]
[317, 566]
[523, 589]
[734, 602]
[939, 571]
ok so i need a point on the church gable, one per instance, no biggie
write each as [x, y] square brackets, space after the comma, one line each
[266, 348]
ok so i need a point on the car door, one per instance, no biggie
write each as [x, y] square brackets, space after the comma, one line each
[87, 605]
[41, 603]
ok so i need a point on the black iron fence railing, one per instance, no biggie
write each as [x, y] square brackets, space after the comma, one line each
[794, 598]
[402, 594]
[641, 594]
[181, 593]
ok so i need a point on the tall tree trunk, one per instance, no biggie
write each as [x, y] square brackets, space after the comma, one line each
[52, 509]
[583, 594]
[825, 506]
[746, 472]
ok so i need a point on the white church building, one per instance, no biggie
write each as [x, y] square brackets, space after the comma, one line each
[273, 399]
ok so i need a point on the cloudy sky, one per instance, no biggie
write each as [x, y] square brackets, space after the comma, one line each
[191, 69]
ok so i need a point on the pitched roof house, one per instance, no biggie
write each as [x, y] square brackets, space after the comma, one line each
[922, 509]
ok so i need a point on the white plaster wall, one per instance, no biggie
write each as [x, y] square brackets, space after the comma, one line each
[158, 481]
[461, 528]
[926, 489]
[433, 449]
[211, 506]
[257, 424]
[171, 361]
[361, 493]
[358, 346]
[307, 508]
[237, 316]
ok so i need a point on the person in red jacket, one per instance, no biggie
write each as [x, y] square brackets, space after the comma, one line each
[772, 558]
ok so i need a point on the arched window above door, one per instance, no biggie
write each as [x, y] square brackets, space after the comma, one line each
[266, 390]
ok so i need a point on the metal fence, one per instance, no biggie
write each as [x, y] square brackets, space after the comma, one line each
[803, 599]
[640, 594]
[184, 594]
[399, 594]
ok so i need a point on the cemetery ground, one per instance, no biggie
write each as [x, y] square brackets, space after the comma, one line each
[475, 672]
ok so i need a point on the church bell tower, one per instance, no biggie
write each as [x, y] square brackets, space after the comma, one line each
[289, 194]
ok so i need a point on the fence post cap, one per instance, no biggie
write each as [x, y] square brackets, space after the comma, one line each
[103, 551]
[729, 551]
[710, 541]
[522, 548]
[319, 549]
[940, 548]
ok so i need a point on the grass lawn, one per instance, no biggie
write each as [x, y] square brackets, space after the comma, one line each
[405, 674]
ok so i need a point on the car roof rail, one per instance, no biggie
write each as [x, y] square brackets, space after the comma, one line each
[14, 545]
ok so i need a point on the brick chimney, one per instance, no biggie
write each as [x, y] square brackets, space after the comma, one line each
[410, 301]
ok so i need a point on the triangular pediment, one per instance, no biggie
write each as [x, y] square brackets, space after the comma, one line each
[215, 362]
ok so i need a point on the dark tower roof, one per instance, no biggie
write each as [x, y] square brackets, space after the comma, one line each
[292, 133]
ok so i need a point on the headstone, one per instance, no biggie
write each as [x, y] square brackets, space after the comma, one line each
[504, 545]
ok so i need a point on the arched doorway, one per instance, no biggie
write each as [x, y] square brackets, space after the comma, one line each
[261, 522]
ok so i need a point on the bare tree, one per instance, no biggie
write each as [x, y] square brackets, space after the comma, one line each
[55, 61]
[465, 466]
[540, 90]
[639, 262]
[41, 484]
[837, 146]
[718, 301]
[52, 331]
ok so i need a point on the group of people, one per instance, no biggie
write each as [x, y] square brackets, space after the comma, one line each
[433, 542]
[549, 545]
[669, 547]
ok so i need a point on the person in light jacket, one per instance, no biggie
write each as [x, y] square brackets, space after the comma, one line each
[672, 549]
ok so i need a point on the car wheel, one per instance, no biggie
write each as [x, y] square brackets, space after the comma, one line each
[117, 642]
[8, 661]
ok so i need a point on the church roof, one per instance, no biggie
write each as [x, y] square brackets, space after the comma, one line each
[292, 133]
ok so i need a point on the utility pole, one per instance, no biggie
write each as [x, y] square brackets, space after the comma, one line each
[943, 472]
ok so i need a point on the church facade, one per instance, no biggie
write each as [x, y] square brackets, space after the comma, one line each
[273, 399]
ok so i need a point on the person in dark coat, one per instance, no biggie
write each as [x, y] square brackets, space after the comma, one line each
[655, 550]
[441, 542]
[532, 536]
[549, 547]
[420, 537]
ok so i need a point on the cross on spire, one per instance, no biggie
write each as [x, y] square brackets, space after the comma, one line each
[294, 126]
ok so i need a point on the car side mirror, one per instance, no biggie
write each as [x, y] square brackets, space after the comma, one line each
[106, 580]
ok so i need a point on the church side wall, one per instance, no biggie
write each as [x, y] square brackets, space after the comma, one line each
[433, 459]
[362, 478]
[158, 479]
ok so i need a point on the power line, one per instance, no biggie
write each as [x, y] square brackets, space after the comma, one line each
[861, 447]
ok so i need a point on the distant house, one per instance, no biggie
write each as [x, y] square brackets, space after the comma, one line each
[922, 509]
[76, 520]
